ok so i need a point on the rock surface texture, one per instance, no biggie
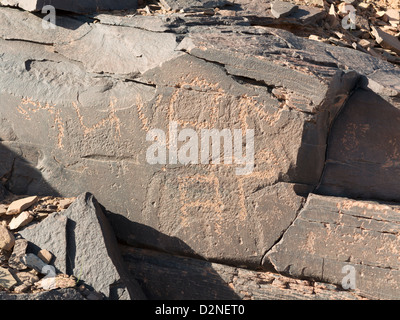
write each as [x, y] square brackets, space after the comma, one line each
[80, 106]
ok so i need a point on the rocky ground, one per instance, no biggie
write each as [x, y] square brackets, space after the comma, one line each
[78, 102]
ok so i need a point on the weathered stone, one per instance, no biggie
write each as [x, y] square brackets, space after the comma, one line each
[386, 40]
[6, 279]
[96, 112]
[7, 239]
[26, 277]
[60, 281]
[18, 252]
[331, 233]
[92, 252]
[20, 205]
[282, 9]
[78, 6]
[22, 288]
[362, 157]
[164, 276]
[188, 4]
[33, 261]
[49, 234]
[60, 294]
[45, 255]
[21, 220]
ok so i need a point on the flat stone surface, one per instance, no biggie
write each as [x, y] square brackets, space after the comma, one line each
[78, 6]
[331, 233]
[49, 234]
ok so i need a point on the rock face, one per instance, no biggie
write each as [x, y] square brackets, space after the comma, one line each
[331, 233]
[115, 100]
[78, 6]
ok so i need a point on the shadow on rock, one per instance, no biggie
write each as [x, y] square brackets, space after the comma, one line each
[163, 275]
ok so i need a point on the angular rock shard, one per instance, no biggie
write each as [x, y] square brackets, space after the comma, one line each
[92, 251]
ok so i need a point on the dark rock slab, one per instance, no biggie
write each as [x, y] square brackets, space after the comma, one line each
[363, 159]
[331, 233]
[92, 251]
[49, 234]
[190, 4]
[78, 6]
[58, 294]
[169, 277]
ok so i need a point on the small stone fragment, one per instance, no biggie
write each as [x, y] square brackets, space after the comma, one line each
[18, 252]
[26, 277]
[64, 203]
[6, 279]
[386, 40]
[21, 220]
[45, 255]
[22, 288]
[3, 209]
[280, 9]
[20, 205]
[7, 239]
[61, 281]
[393, 16]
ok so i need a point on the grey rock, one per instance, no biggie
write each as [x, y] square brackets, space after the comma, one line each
[282, 9]
[78, 6]
[19, 251]
[92, 252]
[49, 234]
[331, 233]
